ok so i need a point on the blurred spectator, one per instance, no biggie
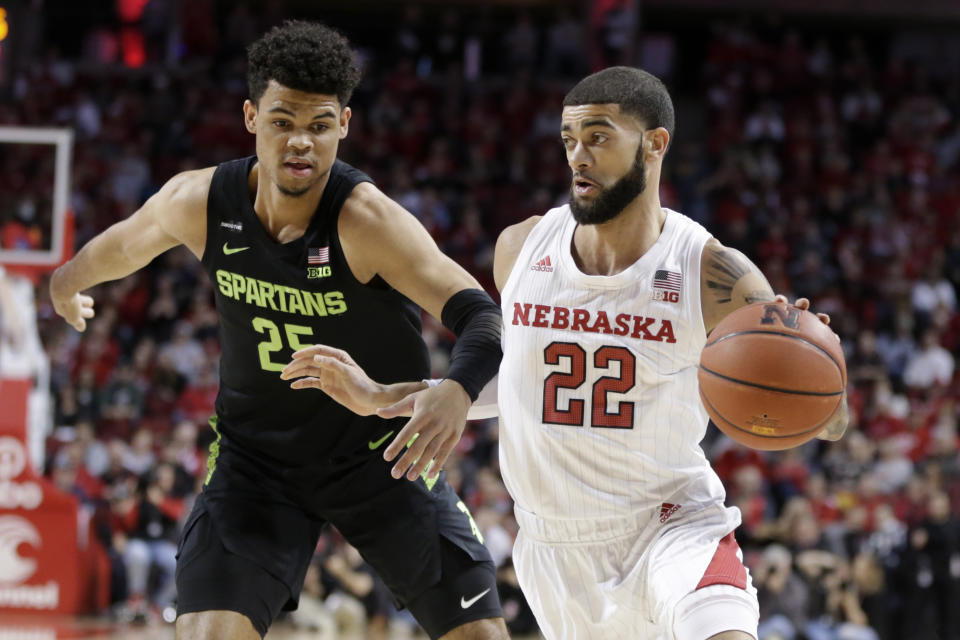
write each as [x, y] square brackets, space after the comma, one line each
[782, 595]
[139, 458]
[933, 291]
[931, 365]
[147, 538]
[122, 399]
[183, 352]
[345, 571]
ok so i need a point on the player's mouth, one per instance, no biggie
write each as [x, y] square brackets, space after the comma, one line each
[583, 187]
[298, 167]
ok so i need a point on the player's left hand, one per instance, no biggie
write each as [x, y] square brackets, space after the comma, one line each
[335, 373]
[835, 429]
[439, 415]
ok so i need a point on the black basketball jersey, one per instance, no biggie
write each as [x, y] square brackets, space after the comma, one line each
[275, 298]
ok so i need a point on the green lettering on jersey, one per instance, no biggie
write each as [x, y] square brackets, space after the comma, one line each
[282, 296]
[271, 345]
[473, 523]
[296, 302]
[335, 302]
[278, 297]
[253, 292]
[226, 286]
[315, 303]
[294, 331]
[266, 295]
[239, 285]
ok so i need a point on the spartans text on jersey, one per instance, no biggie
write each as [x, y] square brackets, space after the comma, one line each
[280, 297]
[552, 317]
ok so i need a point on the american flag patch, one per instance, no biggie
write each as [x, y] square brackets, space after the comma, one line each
[318, 255]
[667, 280]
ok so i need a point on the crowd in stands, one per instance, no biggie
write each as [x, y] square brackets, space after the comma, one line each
[833, 162]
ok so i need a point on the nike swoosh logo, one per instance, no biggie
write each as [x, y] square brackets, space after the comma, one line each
[373, 444]
[466, 604]
[227, 251]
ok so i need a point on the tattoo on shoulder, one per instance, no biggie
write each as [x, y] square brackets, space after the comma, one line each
[758, 296]
[724, 268]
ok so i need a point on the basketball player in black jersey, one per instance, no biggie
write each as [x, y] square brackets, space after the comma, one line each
[304, 249]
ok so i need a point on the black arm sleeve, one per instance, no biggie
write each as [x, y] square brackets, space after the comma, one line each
[475, 319]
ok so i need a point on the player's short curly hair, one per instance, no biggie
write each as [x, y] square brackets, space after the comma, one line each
[639, 93]
[306, 56]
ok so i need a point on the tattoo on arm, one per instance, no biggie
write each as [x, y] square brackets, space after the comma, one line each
[725, 268]
[758, 296]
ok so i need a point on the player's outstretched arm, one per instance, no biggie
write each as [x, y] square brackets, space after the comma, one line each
[380, 238]
[729, 281]
[174, 215]
[334, 372]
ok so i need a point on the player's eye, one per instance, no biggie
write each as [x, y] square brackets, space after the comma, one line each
[320, 128]
[280, 124]
[599, 138]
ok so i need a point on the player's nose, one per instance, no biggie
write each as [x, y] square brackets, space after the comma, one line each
[579, 158]
[300, 142]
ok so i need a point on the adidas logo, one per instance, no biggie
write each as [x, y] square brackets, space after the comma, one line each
[542, 265]
[667, 510]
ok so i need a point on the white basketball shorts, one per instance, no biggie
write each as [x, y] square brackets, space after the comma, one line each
[636, 578]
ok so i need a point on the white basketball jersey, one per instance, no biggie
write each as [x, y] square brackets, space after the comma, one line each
[598, 398]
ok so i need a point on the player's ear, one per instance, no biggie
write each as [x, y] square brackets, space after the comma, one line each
[656, 141]
[250, 116]
[345, 114]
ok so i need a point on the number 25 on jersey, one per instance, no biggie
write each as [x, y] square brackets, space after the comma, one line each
[603, 358]
[274, 343]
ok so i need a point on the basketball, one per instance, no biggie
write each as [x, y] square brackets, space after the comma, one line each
[772, 376]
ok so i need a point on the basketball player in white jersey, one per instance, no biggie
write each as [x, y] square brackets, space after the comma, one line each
[607, 303]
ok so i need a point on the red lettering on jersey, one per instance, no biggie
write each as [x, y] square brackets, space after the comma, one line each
[602, 325]
[561, 318]
[643, 328]
[640, 329]
[666, 332]
[525, 310]
[623, 324]
[540, 315]
[580, 319]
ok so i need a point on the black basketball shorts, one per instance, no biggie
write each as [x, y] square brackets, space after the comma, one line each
[249, 540]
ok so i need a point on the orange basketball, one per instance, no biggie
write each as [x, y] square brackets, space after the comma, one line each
[772, 376]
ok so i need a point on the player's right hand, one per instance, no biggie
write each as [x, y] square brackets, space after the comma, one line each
[438, 416]
[75, 309]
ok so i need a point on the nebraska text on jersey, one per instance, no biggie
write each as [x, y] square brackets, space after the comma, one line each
[621, 324]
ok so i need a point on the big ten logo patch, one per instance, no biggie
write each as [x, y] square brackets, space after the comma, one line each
[319, 272]
[665, 296]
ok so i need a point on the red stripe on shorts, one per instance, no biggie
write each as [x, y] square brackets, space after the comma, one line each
[726, 567]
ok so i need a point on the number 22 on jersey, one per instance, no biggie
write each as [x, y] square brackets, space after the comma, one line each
[603, 358]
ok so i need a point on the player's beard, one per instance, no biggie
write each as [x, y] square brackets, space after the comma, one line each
[612, 200]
